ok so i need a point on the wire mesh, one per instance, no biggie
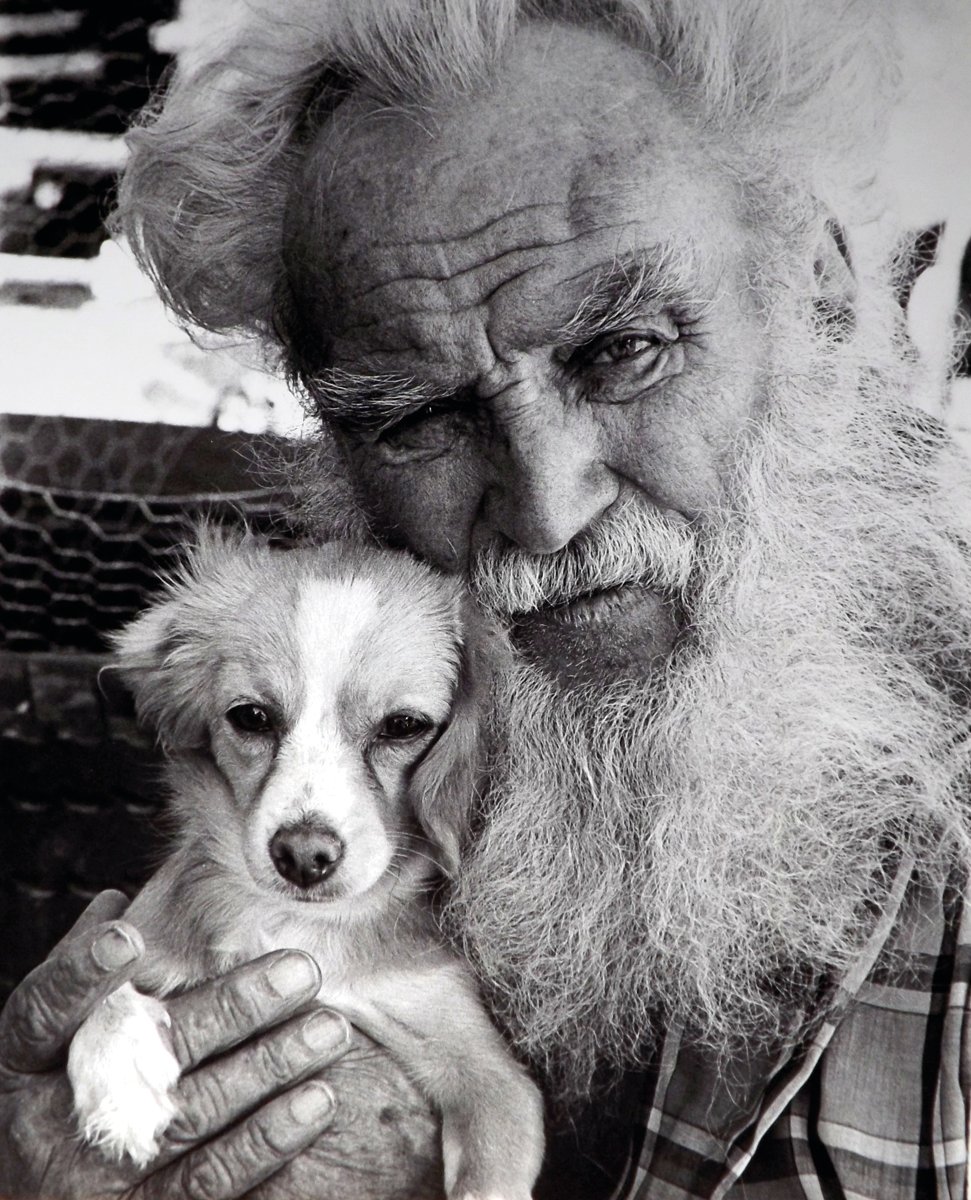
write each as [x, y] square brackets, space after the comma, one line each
[90, 513]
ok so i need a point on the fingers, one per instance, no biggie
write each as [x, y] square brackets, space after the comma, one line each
[218, 1094]
[42, 1015]
[250, 1153]
[106, 906]
[229, 1010]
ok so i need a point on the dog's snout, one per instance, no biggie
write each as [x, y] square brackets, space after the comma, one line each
[305, 854]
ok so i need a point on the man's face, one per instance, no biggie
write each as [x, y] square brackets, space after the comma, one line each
[533, 307]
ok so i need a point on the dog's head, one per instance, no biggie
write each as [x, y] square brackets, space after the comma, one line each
[323, 706]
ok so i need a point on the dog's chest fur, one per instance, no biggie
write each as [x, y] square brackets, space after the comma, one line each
[211, 924]
[266, 932]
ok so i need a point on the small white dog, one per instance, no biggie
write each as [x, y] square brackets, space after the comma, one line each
[321, 711]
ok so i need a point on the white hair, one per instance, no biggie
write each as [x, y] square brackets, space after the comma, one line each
[789, 94]
[713, 846]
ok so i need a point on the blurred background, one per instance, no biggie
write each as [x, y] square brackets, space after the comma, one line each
[117, 432]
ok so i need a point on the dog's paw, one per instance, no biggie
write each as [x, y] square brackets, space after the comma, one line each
[122, 1070]
[465, 1181]
[484, 1156]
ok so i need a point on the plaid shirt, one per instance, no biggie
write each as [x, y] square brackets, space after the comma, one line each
[875, 1105]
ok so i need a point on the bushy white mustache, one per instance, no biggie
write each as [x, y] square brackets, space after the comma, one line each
[632, 544]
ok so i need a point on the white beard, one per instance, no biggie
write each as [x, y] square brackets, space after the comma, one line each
[710, 846]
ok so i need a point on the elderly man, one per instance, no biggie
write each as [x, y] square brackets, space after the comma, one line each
[571, 288]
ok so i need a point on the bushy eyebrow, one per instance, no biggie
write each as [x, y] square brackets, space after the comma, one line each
[663, 279]
[370, 403]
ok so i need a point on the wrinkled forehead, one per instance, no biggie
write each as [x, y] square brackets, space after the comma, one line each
[574, 156]
[569, 107]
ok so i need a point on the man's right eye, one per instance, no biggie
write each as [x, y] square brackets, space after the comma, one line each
[414, 420]
[426, 432]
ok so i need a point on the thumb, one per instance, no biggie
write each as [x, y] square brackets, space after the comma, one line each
[43, 1013]
[106, 906]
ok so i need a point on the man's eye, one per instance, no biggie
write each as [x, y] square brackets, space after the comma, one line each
[250, 718]
[616, 368]
[621, 348]
[426, 432]
[412, 423]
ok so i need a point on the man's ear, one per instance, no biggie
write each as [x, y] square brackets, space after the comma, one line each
[834, 295]
[447, 782]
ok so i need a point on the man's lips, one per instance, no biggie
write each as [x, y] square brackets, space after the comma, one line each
[622, 632]
[590, 607]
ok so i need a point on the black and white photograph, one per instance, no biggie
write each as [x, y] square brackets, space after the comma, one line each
[485, 599]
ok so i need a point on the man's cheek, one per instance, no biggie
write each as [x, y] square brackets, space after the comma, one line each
[428, 507]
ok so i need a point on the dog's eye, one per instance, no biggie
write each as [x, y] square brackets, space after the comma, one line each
[250, 718]
[399, 726]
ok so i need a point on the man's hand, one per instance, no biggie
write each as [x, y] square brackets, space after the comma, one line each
[248, 1105]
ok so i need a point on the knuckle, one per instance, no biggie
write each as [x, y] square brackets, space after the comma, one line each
[183, 1130]
[33, 1021]
[274, 1061]
[211, 1018]
[186, 1128]
[236, 1007]
[181, 1043]
[205, 1101]
[48, 1005]
[258, 1143]
[211, 1178]
[220, 1014]
[243, 1157]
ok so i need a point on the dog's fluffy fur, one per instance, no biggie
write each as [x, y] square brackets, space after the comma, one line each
[331, 693]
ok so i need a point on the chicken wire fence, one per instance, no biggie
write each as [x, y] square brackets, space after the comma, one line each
[91, 511]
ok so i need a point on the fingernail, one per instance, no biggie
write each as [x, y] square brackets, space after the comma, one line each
[291, 974]
[325, 1031]
[311, 1103]
[114, 949]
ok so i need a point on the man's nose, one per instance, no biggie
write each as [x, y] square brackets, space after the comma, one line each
[550, 480]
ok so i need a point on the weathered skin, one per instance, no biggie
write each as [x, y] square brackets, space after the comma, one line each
[452, 249]
[379, 1140]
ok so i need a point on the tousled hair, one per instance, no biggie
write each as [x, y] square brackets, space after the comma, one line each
[789, 94]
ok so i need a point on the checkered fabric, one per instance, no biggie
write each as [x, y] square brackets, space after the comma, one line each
[875, 1105]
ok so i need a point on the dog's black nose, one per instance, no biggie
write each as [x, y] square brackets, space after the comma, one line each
[305, 854]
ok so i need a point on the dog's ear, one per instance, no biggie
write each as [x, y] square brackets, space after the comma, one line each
[168, 655]
[161, 663]
[446, 782]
